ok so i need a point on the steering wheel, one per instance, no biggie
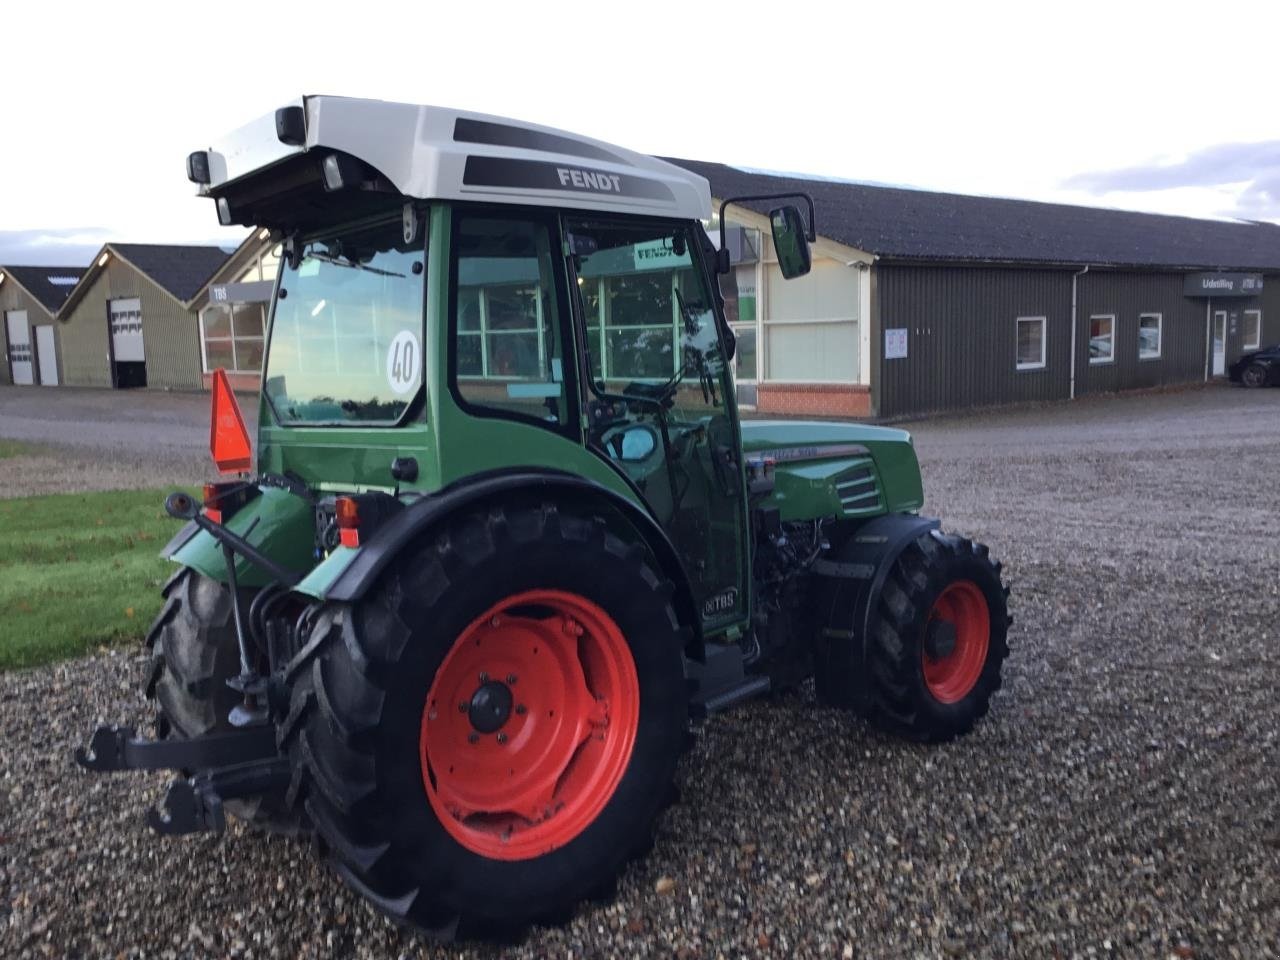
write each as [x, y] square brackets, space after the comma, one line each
[630, 442]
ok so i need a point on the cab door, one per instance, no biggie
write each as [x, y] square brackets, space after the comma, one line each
[659, 395]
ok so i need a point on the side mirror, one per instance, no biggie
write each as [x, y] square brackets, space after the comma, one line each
[790, 242]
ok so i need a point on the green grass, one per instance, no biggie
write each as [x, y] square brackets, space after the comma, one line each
[78, 571]
[12, 448]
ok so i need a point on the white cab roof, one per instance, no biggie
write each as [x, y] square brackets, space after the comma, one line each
[439, 153]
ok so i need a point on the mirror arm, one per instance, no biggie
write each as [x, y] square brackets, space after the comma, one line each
[812, 235]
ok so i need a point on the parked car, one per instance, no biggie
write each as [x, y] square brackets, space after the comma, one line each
[1259, 368]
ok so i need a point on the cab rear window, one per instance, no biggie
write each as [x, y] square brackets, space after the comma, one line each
[346, 334]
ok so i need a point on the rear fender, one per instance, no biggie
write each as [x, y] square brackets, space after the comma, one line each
[348, 573]
[850, 587]
[277, 522]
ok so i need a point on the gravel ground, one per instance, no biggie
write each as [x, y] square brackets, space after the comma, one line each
[1121, 799]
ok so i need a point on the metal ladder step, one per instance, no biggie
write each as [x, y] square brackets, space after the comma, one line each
[702, 707]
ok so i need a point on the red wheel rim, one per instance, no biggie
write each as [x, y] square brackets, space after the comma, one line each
[950, 677]
[519, 782]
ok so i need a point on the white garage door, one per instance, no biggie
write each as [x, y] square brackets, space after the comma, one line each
[47, 355]
[19, 346]
[126, 330]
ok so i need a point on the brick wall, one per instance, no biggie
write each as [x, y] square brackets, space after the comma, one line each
[814, 399]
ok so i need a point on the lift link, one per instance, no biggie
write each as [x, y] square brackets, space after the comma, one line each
[196, 805]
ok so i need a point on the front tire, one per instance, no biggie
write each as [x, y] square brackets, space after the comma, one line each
[489, 736]
[937, 639]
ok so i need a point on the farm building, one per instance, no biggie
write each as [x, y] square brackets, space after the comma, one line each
[126, 322]
[922, 302]
[29, 299]
[232, 308]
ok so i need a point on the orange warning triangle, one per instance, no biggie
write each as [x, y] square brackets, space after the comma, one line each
[228, 439]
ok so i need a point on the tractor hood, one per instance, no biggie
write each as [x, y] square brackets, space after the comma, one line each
[806, 437]
[836, 469]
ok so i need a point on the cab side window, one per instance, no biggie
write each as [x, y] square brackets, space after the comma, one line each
[507, 323]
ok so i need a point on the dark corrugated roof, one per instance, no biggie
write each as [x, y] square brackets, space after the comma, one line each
[182, 270]
[920, 225]
[49, 285]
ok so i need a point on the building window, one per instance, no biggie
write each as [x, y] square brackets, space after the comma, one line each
[1252, 329]
[746, 357]
[1031, 343]
[1150, 329]
[1102, 338]
[264, 267]
[231, 337]
[738, 288]
[810, 326]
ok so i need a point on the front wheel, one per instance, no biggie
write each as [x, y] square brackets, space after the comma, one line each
[937, 639]
[491, 734]
[1255, 375]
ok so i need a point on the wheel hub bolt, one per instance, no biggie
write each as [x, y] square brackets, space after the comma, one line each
[511, 678]
[520, 709]
[484, 677]
[463, 707]
[473, 737]
[502, 738]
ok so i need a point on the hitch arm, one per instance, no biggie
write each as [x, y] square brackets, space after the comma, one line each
[116, 748]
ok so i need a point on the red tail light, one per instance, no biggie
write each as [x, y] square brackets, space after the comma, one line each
[228, 439]
[221, 500]
[212, 509]
[346, 512]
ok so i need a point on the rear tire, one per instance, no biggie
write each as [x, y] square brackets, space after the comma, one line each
[925, 685]
[1255, 375]
[396, 759]
[194, 651]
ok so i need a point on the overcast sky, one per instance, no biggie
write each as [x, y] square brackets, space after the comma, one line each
[1166, 107]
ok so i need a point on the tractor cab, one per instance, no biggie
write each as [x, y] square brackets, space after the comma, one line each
[495, 296]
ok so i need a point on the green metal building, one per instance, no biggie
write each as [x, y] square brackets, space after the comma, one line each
[126, 323]
[29, 300]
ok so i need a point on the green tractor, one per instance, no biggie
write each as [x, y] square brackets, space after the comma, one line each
[504, 534]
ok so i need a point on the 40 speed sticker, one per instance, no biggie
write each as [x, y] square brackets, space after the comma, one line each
[404, 363]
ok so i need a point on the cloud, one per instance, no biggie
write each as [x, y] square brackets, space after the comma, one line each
[1250, 171]
[72, 247]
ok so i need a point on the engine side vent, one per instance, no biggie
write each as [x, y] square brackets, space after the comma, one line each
[858, 490]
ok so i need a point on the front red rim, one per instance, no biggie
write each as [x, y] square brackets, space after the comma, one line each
[529, 724]
[950, 678]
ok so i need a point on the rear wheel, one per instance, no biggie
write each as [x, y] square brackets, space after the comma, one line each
[194, 651]
[1255, 375]
[937, 639]
[491, 734]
